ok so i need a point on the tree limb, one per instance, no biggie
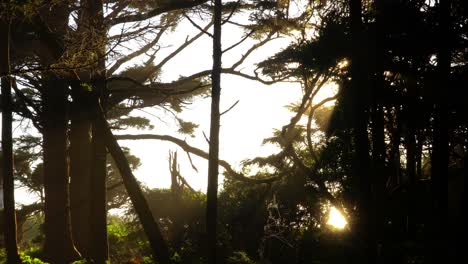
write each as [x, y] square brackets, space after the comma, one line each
[171, 6]
[196, 151]
[132, 55]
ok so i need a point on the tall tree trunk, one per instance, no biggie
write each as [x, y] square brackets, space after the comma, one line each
[410, 142]
[378, 139]
[58, 246]
[81, 149]
[213, 161]
[90, 183]
[52, 24]
[80, 170]
[360, 93]
[440, 154]
[100, 253]
[7, 145]
[158, 246]
[462, 246]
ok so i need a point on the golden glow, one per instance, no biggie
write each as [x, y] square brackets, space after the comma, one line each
[336, 219]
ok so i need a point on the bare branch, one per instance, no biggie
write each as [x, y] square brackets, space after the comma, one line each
[204, 30]
[230, 108]
[185, 146]
[252, 49]
[254, 78]
[183, 46]
[184, 182]
[118, 7]
[132, 55]
[206, 138]
[191, 161]
[232, 12]
[240, 41]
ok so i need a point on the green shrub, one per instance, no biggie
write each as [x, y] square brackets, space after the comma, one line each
[28, 256]
[240, 257]
[32, 256]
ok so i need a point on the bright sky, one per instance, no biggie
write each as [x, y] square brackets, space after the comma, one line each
[259, 111]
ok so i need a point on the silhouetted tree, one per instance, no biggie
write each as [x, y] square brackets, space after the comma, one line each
[7, 178]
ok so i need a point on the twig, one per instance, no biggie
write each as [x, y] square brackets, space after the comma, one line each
[197, 26]
[191, 162]
[230, 108]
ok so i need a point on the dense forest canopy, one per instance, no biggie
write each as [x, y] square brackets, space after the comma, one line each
[370, 167]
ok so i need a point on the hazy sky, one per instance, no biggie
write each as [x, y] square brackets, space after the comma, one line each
[259, 111]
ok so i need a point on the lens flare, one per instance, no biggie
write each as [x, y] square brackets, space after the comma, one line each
[336, 219]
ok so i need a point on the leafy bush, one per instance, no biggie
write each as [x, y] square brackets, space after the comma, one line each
[28, 256]
[240, 257]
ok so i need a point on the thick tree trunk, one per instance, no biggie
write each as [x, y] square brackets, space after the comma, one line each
[159, 247]
[410, 179]
[440, 152]
[58, 246]
[100, 253]
[80, 170]
[360, 93]
[378, 138]
[461, 245]
[90, 181]
[7, 146]
[213, 161]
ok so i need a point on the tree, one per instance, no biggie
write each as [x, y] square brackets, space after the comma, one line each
[7, 178]
[440, 153]
[212, 192]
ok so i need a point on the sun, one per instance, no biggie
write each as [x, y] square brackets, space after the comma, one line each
[336, 219]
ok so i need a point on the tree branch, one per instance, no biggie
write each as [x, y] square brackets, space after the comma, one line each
[252, 49]
[172, 6]
[196, 151]
[183, 46]
[132, 55]
[204, 30]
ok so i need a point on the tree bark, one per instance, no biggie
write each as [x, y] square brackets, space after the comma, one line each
[440, 151]
[213, 161]
[58, 246]
[51, 26]
[80, 170]
[410, 179]
[360, 93]
[100, 252]
[7, 146]
[378, 131]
